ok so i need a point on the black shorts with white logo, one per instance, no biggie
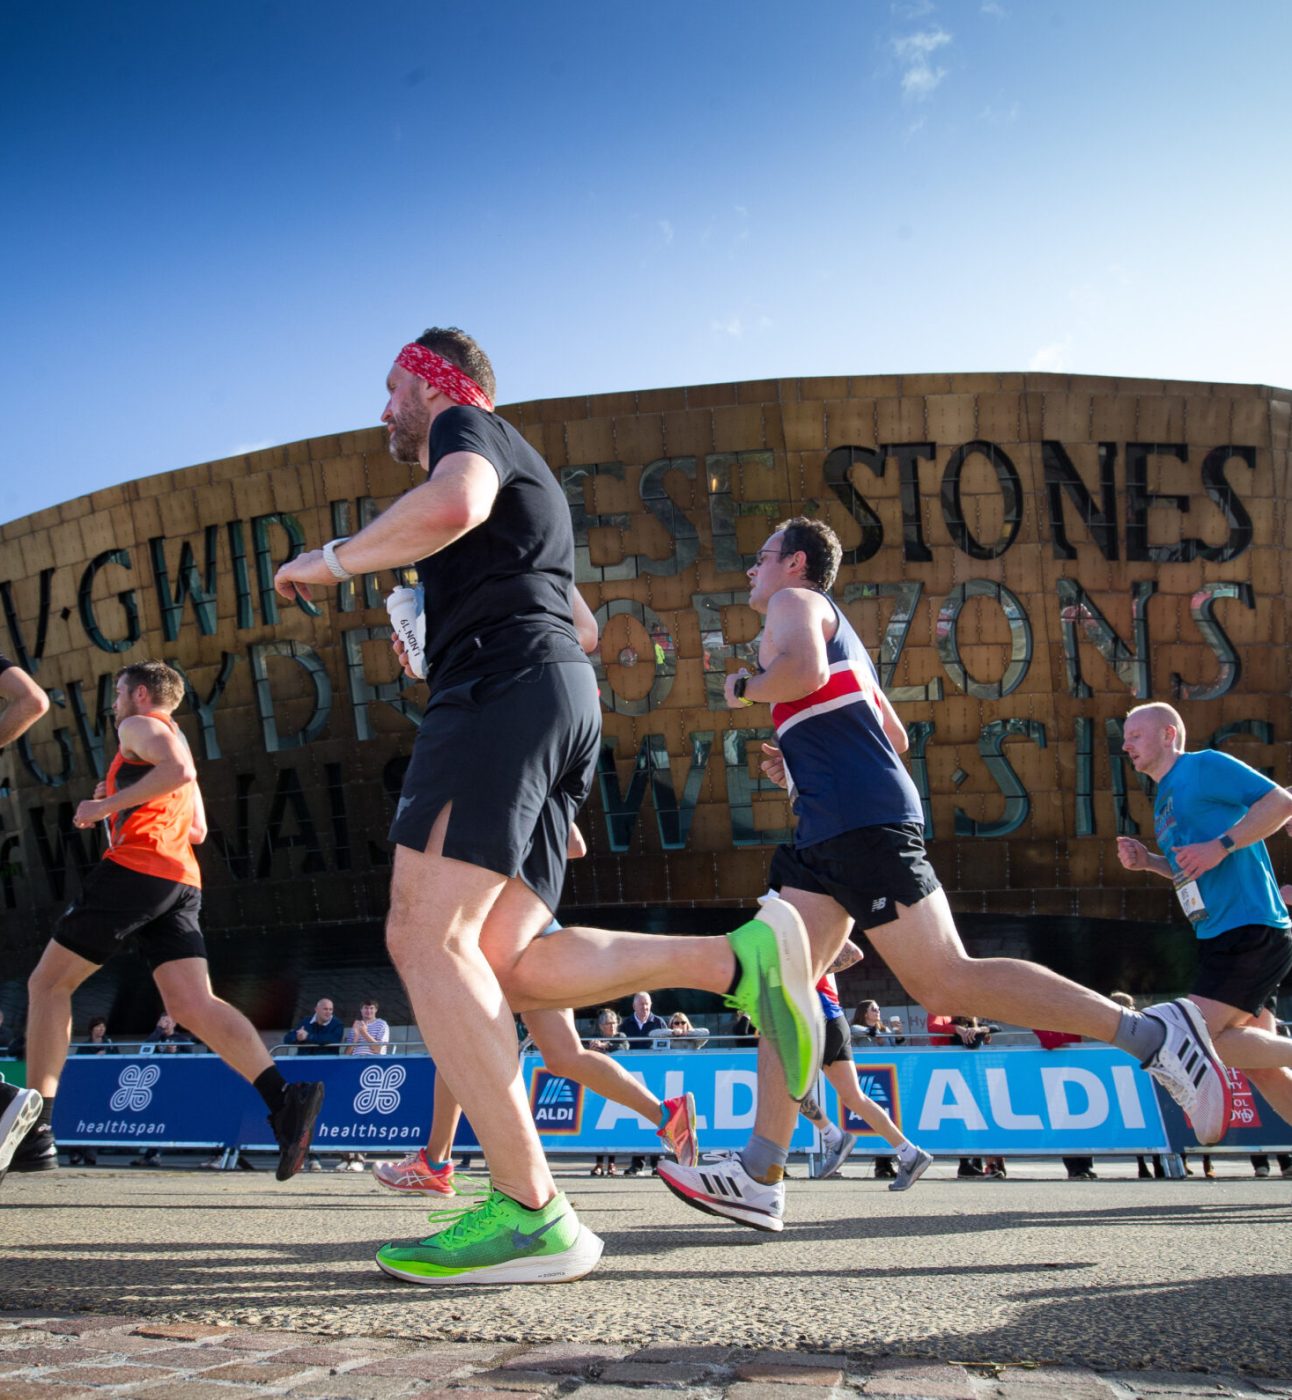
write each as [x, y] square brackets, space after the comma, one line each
[515, 753]
[869, 871]
[115, 904]
[838, 1042]
[1244, 966]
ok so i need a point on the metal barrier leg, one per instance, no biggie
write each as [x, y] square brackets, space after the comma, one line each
[1173, 1162]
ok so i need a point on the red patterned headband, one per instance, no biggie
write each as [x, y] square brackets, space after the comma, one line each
[440, 374]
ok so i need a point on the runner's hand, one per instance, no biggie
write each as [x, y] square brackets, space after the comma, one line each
[1132, 854]
[401, 656]
[774, 765]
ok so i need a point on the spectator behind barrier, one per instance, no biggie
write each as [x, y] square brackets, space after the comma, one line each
[369, 1035]
[680, 1034]
[96, 1040]
[167, 1039]
[321, 1034]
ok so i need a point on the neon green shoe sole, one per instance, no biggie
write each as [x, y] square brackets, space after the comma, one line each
[499, 1241]
[777, 992]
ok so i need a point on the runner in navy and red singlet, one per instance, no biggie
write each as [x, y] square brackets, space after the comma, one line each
[858, 859]
[148, 889]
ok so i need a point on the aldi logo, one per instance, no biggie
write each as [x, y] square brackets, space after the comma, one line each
[556, 1103]
[878, 1082]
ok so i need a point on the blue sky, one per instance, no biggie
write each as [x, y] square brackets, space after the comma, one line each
[221, 221]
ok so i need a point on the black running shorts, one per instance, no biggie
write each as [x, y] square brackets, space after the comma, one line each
[1244, 966]
[116, 904]
[515, 753]
[838, 1041]
[869, 871]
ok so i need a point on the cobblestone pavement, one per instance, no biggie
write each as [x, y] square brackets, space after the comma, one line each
[190, 1284]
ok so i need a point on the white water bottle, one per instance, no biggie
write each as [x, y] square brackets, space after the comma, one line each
[407, 610]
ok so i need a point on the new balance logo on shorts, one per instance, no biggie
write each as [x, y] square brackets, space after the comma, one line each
[877, 904]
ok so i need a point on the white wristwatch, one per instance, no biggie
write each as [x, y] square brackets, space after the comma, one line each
[335, 566]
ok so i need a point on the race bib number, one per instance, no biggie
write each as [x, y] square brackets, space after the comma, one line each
[1190, 897]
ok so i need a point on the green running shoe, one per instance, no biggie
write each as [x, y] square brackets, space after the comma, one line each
[777, 993]
[499, 1241]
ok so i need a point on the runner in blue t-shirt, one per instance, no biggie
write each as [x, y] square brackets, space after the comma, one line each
[1212, 815]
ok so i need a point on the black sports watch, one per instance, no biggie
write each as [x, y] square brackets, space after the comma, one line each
[738, 690]
[1226, 840]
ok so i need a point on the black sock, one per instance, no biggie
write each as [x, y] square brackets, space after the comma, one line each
[46, 1114]
[270, 1084]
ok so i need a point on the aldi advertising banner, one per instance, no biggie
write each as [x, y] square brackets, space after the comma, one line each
[1087, 1099]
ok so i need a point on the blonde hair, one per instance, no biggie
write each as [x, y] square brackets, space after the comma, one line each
[1165, 715]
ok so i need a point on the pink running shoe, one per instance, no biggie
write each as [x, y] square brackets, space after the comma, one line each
[415, 1173]
[678, 1133]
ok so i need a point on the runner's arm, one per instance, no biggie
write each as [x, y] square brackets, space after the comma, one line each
[25, 702]
[794, 647]
[894, 729]
[585, 624]
[197, 832]
[156, 744]
[1263, 818]
[459, 496]
[1135, 855]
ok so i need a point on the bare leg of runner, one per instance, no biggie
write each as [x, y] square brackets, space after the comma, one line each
[185, 985]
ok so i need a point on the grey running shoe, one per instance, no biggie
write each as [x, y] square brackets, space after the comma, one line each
[908, 1173]
[1186, 1066]
[835, 1154]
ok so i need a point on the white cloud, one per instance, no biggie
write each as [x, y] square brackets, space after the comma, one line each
[919, 76]
[993, 7]
[912, 9]
[1052, 359]
[732, 326]
[665, 230]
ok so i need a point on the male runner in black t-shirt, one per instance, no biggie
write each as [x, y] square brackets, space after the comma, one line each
[24, 703]
[503, 760]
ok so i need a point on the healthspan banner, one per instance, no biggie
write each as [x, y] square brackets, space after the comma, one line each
[1016, 1101]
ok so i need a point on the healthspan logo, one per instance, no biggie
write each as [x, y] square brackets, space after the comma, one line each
[134, 1088]
[556, 1103]
[379, 1089]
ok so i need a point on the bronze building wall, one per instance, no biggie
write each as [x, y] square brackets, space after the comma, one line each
[1027, 556]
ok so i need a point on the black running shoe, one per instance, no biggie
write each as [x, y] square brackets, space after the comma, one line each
[293, 1125]
[37, 1152]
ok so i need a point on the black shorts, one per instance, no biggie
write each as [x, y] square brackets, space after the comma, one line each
[869, 871]
[515, 753]
[838, 1041]
[116, 904]
[1243, 966]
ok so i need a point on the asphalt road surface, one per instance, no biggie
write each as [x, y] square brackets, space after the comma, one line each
[1111, 1274]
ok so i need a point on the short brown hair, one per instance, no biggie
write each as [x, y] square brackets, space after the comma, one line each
[165, 686]
[818, 542]
[458, 348]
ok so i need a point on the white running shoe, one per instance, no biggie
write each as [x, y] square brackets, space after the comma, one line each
[908, 1173]
[720, 1185]
[1186, 1066]
[835, 1153]
[19, 1109]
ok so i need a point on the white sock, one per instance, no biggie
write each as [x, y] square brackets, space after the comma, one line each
[907, 1152]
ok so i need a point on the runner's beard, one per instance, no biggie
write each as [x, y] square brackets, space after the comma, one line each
[409, 434]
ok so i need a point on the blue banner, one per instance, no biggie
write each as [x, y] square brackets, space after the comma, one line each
[1254, 1126]
[1084, 1100]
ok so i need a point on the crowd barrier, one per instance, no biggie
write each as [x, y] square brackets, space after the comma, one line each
[1015, 1102]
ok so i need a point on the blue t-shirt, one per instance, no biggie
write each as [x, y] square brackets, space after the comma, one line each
[1202, 796]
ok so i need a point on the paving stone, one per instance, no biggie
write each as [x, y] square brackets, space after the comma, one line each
[43, 1390]
[181, 1331]
[78, 1326]
[709, 1355]
[126, 1343]
[1040, 1382]
[775, 1390]
[789, 1375]
[352, 1387]
[102, 1375]
[419, 1365]
[607, 1392]
[333, 1354]
[567, 1358]
[48, 1354]
[464, 1394]
[261, 1341]
[257, 1372]
[186, 1388]
[635, 1372]
[1181, 1384]
[194, 1358]
[518, 1380]
[929, 1381]
[797, 1358]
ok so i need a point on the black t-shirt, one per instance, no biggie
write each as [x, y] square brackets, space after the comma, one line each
[499, 598]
